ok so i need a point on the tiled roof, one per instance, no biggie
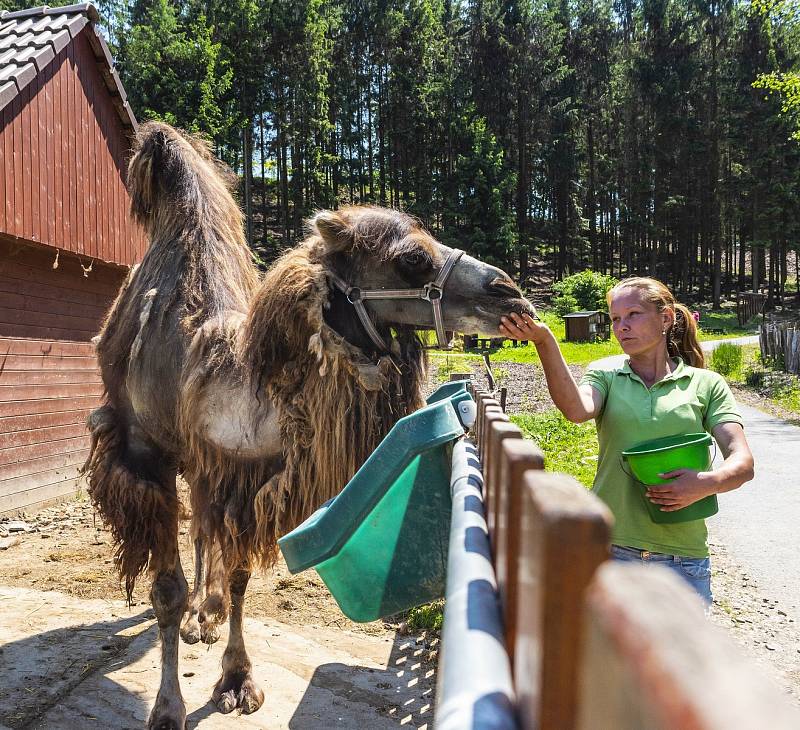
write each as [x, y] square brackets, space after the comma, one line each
[31, 39]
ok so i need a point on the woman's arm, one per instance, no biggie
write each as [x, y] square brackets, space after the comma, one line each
[577, 403]
[689, 486]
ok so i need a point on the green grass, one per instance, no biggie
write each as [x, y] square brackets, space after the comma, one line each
[770, 382]
[426, 618]
[764, 379]
[447, 363]
[568, 447]
[724, 319]
[789, 398]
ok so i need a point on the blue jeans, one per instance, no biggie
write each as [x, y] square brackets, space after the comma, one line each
[695, 571]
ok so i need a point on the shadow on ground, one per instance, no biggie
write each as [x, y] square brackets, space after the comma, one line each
[41, 669]
[401, 694]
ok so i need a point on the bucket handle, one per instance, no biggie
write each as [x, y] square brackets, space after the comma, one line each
[622, 461]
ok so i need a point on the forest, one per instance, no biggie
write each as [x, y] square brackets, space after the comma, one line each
[653, 137]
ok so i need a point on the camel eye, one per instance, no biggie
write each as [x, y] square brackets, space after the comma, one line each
[416, 259]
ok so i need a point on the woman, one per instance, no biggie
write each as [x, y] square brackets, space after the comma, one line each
[661, 389]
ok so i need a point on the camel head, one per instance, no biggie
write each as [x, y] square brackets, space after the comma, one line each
[371, 250]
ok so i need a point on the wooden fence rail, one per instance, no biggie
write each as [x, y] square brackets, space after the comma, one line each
[748, 305]
[780, 341]
[591, 643]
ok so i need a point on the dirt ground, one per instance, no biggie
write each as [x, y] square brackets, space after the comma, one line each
[319, 667]
[69, 550]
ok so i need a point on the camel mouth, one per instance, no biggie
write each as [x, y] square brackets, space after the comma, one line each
[517, 305]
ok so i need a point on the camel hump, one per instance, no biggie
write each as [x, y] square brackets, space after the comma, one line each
[173, 176]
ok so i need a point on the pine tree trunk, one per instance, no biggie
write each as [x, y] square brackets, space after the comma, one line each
[262, 149]
[247, 162]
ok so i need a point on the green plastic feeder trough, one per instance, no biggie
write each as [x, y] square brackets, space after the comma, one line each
[380, 545]
[651, 458]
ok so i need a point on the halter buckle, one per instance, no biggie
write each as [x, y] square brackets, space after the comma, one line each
[431, 291]
[354, 294]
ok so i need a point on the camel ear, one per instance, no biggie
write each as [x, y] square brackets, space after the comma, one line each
[334, 228]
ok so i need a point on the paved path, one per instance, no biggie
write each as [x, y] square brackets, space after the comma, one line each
[71, 664]
[759, 522]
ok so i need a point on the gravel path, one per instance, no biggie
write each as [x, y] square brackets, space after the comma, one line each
[525, 383]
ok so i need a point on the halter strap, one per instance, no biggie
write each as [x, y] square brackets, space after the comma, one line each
[431, 292]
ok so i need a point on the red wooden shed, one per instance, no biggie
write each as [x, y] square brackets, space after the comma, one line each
[66, 241]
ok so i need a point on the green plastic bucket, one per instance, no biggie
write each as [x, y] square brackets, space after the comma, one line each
[651, 458]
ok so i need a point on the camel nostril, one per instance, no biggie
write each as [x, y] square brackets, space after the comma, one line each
[501, 286]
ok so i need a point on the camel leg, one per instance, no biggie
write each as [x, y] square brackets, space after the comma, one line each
[168, 595]
[190, 631]
[236, 687]
[214, 608]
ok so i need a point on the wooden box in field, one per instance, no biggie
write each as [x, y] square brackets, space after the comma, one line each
[588, 326]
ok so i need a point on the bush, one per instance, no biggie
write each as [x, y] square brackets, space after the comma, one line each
[586, 290]
[754, 377]
[726, 359]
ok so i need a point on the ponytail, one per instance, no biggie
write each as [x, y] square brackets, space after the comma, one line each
[682, 338]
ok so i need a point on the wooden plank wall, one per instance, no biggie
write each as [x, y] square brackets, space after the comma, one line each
[49, 379]
[64, 152]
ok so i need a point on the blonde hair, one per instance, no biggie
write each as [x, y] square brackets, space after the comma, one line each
[682, 334]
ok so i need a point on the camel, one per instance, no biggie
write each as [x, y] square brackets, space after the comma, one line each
[265, 392]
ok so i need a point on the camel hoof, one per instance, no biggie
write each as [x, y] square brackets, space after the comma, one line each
[166, 723]
[209, 633]
[190, 631]
[236, 689]
[162, 719]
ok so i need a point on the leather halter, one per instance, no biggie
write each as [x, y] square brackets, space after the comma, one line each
[431, 292]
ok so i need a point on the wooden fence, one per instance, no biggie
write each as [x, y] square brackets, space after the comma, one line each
[780, 342]
[591, 643]
[748, 305]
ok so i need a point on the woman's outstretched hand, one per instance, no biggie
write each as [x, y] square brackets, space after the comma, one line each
[524, 327]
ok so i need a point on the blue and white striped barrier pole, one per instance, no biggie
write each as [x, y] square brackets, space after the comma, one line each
[474, 691]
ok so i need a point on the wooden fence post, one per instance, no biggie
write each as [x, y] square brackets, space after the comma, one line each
[480, 395]
[652, 660]
[491, 414]
[499, 431]
[564, 536]
[516, 457]
[488, 405]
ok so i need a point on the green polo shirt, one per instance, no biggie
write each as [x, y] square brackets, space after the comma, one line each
[687, 400]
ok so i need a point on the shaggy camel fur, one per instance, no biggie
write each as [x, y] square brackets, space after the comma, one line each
[266, 394]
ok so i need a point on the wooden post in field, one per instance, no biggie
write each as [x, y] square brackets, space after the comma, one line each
[652, 660]
[516, 457]
[499, 432]
[460, 376]
[564, 536]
